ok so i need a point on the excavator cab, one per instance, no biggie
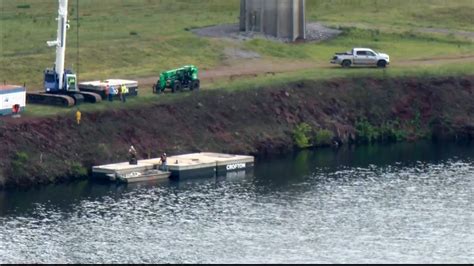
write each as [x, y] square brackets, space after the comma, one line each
[71, 82]
[51, 81]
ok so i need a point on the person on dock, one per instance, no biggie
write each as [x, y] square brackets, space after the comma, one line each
[112, 93]
[124, 92]
[78, 117]
[164, 165]
[133, 155]
[106, 91]
[119, 91]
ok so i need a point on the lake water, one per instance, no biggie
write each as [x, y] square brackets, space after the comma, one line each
[403, 203]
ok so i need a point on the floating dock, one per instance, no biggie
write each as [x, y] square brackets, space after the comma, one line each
[203, 164]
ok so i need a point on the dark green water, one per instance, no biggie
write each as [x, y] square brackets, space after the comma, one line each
[404, 203]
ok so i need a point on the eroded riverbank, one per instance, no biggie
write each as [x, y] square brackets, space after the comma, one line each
[257, 122]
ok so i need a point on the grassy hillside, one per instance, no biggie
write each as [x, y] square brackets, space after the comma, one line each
[452, 14]
[399, 45]
[133, 38]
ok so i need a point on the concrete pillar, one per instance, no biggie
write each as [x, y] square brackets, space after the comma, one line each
[302, 20]
[243, 17]
[279, 18]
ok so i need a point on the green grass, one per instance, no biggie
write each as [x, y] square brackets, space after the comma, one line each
[140, 38]
[400, 46]
[328, 73]
[400, 14]
[146, 97]
[159, 39]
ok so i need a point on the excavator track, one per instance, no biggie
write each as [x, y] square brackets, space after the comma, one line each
[50, 99]
[78, 98]
[63, 100]
[90, 97]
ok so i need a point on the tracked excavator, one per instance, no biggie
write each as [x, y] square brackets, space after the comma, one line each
[60, 84]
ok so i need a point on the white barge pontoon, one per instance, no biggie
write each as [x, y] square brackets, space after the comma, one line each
[204, 164]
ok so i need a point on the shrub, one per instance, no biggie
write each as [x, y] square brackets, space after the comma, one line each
[19, 164]
[78, 171]
[391, 132]
[323, 137]
[301, 136]
[2, 179]
[23, 6]
[366, 132]
[416, 121]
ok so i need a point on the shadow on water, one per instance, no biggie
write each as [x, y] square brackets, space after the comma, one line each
[66, 196]
[275, 174]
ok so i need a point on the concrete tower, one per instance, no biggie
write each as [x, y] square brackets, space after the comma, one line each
[278, 18]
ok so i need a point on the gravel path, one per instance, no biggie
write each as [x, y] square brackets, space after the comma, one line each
[461, 33]
[315, 32]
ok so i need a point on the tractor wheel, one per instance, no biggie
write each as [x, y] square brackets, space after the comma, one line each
[176, 87]
[195, 85]
[381, 64]
[346, 64]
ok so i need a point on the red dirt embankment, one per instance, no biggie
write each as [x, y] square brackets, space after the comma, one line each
[45, 150]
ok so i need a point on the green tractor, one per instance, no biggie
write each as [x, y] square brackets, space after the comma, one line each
[178, 79]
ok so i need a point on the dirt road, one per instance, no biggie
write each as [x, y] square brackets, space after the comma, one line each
[258, 67]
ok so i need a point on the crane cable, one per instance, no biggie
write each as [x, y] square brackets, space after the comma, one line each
[77, 39]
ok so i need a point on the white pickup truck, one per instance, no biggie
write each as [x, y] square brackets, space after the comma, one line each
[361, 57]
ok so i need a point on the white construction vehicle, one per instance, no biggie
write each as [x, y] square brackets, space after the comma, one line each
[60, 84]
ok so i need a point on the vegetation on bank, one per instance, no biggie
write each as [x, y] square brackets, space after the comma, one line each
[389, 131]
[20, 163]
[306, 136]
